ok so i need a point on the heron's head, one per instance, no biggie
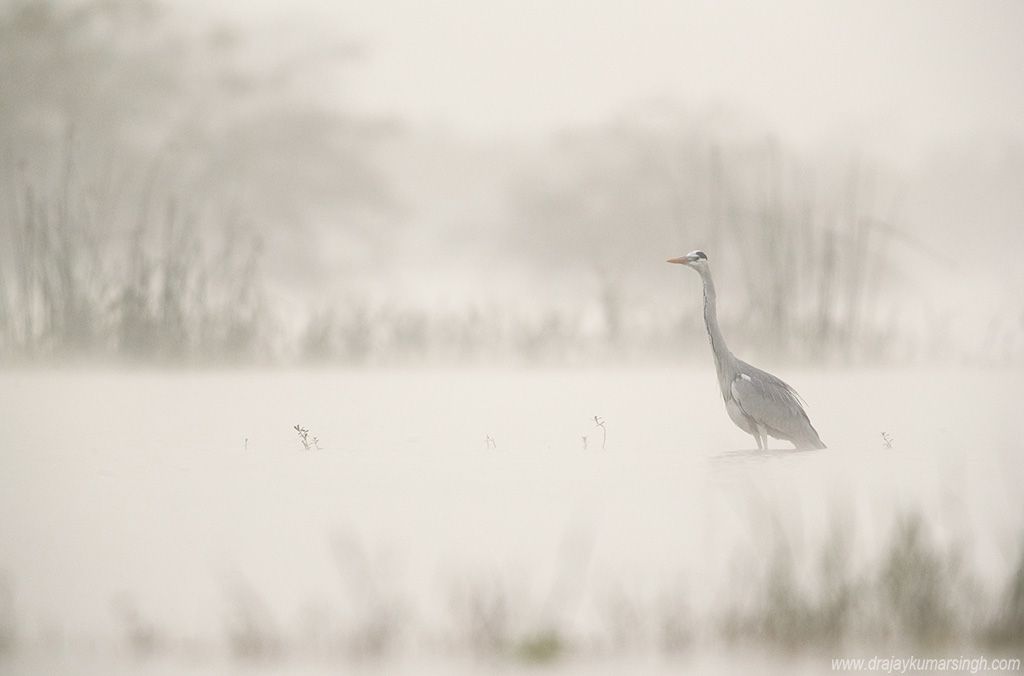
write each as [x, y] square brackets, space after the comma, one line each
[698, 260]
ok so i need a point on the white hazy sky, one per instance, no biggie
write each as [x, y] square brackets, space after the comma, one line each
[895, 81]
[871, 73]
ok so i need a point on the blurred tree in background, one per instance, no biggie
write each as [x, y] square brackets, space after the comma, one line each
[802, 249]
[146, 167]
[173, 189]
[607, 204]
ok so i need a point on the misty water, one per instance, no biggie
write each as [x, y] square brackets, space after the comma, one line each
[176, 501]
[338, 336]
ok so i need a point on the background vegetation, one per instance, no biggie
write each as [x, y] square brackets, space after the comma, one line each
[182, 193]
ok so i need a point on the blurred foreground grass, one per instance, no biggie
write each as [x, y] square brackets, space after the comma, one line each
[916, 594]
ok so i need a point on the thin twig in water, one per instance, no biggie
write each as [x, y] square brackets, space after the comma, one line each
[604, 431]
[886, 440]
[308, 442]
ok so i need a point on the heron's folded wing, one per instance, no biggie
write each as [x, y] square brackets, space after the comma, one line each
[770, 403]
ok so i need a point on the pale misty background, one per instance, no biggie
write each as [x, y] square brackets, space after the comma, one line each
[338, 337]
[382, 182]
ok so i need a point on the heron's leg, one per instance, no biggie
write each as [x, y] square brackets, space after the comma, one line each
[762, 434]
[757, 438]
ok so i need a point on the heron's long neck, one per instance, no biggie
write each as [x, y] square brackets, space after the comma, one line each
[722, 355]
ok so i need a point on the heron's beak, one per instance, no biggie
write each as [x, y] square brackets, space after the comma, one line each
[682, 260]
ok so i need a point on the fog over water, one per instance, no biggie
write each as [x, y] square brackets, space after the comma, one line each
[339, 336]
[524, 160]
[930, 92]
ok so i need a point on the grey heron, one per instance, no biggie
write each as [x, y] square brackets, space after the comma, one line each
[759, 403]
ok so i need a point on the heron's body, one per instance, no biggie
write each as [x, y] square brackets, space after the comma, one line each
[759, 403]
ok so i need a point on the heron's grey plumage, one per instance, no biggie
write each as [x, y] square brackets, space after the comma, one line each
[759, 403]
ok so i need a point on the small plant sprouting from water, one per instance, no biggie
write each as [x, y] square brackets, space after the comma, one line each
[308, 442]
[887, 440]
[584, 437]
[599, 422]
[490, 442]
